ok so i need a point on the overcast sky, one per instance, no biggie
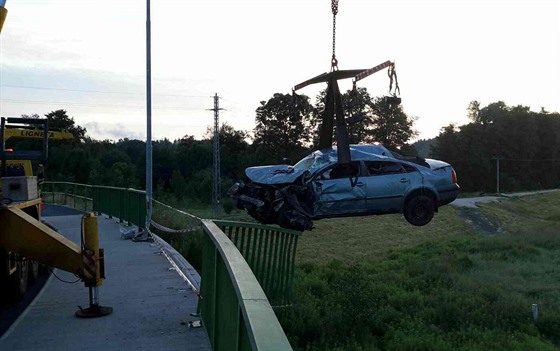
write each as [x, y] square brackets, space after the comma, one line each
[88, 57]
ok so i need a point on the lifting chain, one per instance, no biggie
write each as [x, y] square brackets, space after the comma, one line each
[334, 61]
[392, 73]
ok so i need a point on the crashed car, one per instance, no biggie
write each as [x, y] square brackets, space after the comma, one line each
[376, 181]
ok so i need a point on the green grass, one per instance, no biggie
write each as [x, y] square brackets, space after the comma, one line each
[377, 283]
[355, 239]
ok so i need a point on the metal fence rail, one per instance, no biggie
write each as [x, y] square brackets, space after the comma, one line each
[126, 204]
[270, 252]
[78, 196]
[234, 307]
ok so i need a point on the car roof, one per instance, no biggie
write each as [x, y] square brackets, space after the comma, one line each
[360, 152]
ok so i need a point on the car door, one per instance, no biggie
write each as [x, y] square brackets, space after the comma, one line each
[387, 184]
[339, 190]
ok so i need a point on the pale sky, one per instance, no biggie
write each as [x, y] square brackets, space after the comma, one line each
[88, 57]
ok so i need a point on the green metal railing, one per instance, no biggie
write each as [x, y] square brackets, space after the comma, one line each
[239, 260]
[234, 307]
[78, 196]
[126, 204]
[270, 252]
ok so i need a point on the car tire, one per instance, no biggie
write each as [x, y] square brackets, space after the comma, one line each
[419, 210]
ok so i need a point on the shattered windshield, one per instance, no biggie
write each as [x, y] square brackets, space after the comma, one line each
[313, 162]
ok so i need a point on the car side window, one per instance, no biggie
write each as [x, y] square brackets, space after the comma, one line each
[348, 170]
[391, 168]
[384, 167]
[373, 167]
[409, 168]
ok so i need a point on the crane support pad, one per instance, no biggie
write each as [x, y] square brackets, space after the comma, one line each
[24, 235]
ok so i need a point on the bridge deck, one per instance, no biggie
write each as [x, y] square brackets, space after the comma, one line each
[151, 303]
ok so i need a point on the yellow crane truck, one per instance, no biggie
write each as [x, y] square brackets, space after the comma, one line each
[24, 240]
[19, 189]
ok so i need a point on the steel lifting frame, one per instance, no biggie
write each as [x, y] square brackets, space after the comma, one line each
[334, 108]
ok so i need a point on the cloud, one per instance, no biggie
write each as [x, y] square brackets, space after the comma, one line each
[113, 131]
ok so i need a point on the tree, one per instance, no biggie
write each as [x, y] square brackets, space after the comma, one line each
[233, 150]
[369, 120]
[492, 112]
[282, 125]
[358, 111]
[473, 111]
[392, 127]
[230, 138]
[527, 143]
[60, 120]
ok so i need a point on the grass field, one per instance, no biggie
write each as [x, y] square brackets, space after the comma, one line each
[378, 283]
[355, 239]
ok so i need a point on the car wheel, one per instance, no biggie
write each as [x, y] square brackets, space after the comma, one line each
[419, 210]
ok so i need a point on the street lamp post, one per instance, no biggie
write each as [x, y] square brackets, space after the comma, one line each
[148, 118]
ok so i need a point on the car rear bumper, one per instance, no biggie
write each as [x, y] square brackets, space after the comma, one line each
[448, 195]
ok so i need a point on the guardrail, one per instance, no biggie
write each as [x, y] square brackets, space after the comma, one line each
[78, 196]
[126, 204]
[270, 252]
[234, 307]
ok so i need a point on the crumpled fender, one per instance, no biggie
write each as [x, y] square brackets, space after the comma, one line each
[277, 174]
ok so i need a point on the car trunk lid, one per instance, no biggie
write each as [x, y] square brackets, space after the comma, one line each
[436, 164]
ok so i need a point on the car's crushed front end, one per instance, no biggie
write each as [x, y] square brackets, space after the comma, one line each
[282, 204]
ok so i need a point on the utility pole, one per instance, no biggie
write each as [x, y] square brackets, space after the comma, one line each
[216, 187]
[148, 117]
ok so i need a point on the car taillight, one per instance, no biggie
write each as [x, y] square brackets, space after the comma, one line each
[454, 176]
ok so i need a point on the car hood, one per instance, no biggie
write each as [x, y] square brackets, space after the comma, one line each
[436, 164]
[277, 174]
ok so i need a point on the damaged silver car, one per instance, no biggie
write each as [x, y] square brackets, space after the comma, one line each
[376, 181]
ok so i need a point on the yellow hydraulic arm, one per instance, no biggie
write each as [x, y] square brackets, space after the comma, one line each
[24, 235]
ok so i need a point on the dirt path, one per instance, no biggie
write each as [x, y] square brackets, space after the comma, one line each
[471, 202]
[471, 214]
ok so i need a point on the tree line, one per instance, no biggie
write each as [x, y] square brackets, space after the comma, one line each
[526, 144]
[287, 128]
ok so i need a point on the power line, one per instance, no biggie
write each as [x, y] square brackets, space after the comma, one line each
[99, 91]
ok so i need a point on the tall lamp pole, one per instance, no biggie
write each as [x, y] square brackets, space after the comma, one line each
[148, 117]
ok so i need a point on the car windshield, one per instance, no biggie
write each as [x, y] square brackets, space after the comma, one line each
[313, 162]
